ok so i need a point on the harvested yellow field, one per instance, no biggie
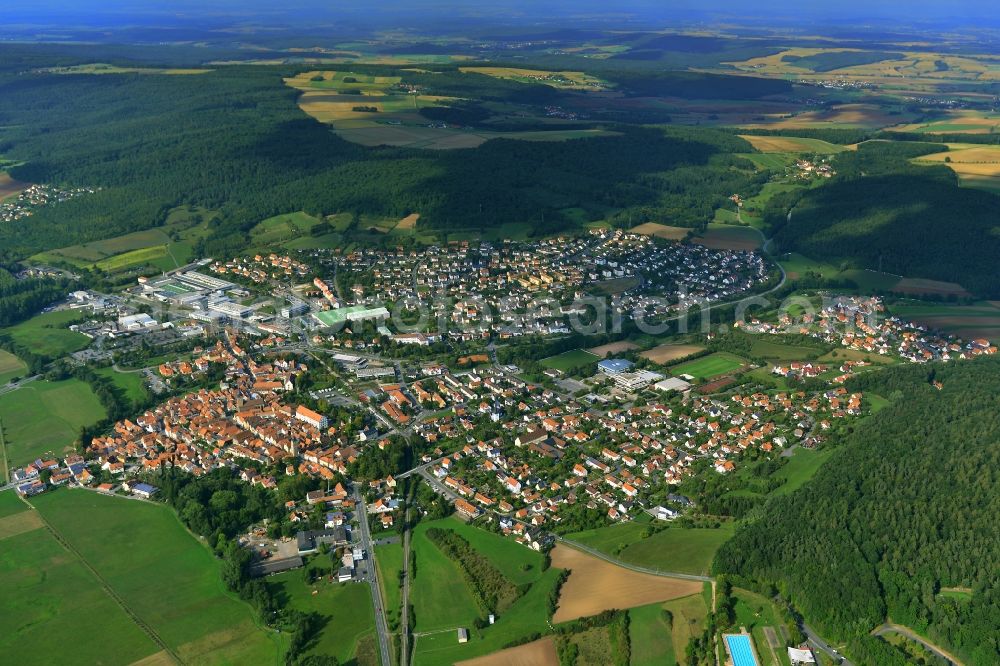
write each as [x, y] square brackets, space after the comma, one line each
[955, 122]
[661, 231]
[161, 658]
[10, 187]
[561, 79]
[665, 353]
[977, 166]
[595, 585]
[537, 653]
[409, 222]
[791, 144]
[613, 348]
[959, 154]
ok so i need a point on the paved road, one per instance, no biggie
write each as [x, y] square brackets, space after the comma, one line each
[817, 643]
[890, 628]
[381, 625]
[13, 386]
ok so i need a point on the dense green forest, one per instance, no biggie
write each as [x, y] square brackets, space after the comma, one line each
[907, 506]
[884, 213]
[234, 140]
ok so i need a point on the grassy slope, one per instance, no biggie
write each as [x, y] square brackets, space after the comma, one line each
[165, 576]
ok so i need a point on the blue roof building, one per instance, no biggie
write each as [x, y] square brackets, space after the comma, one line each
[613, 366]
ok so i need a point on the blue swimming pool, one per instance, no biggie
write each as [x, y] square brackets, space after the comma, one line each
[740, 649]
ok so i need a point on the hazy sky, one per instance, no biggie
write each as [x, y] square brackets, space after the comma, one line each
[655, 13]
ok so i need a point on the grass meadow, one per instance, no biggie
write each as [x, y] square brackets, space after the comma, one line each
[162, 573]
[45, 416]
[679, 549]
[132, 383]
[570, 359]
[389, 559]
[54, 610]
[713, 365]
[47, 333]
[442, 602]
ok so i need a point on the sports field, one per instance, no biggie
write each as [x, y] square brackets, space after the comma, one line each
[46, 334]
[43, 417]
[570, 359]
[10, 367]
[169, 580]
[713, 365]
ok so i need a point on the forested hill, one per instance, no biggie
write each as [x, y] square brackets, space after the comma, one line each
[909, 505]
[234, 140]
[884, 213]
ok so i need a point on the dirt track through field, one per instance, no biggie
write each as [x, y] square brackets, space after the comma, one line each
[595, 585]
[537, 653]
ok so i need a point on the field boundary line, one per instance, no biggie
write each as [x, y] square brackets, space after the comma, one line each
[149, 631]
[3, 453]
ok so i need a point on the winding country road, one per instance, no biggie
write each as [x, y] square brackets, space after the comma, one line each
[906, 632]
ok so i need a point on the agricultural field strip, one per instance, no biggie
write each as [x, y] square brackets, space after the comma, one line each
[148, 630]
